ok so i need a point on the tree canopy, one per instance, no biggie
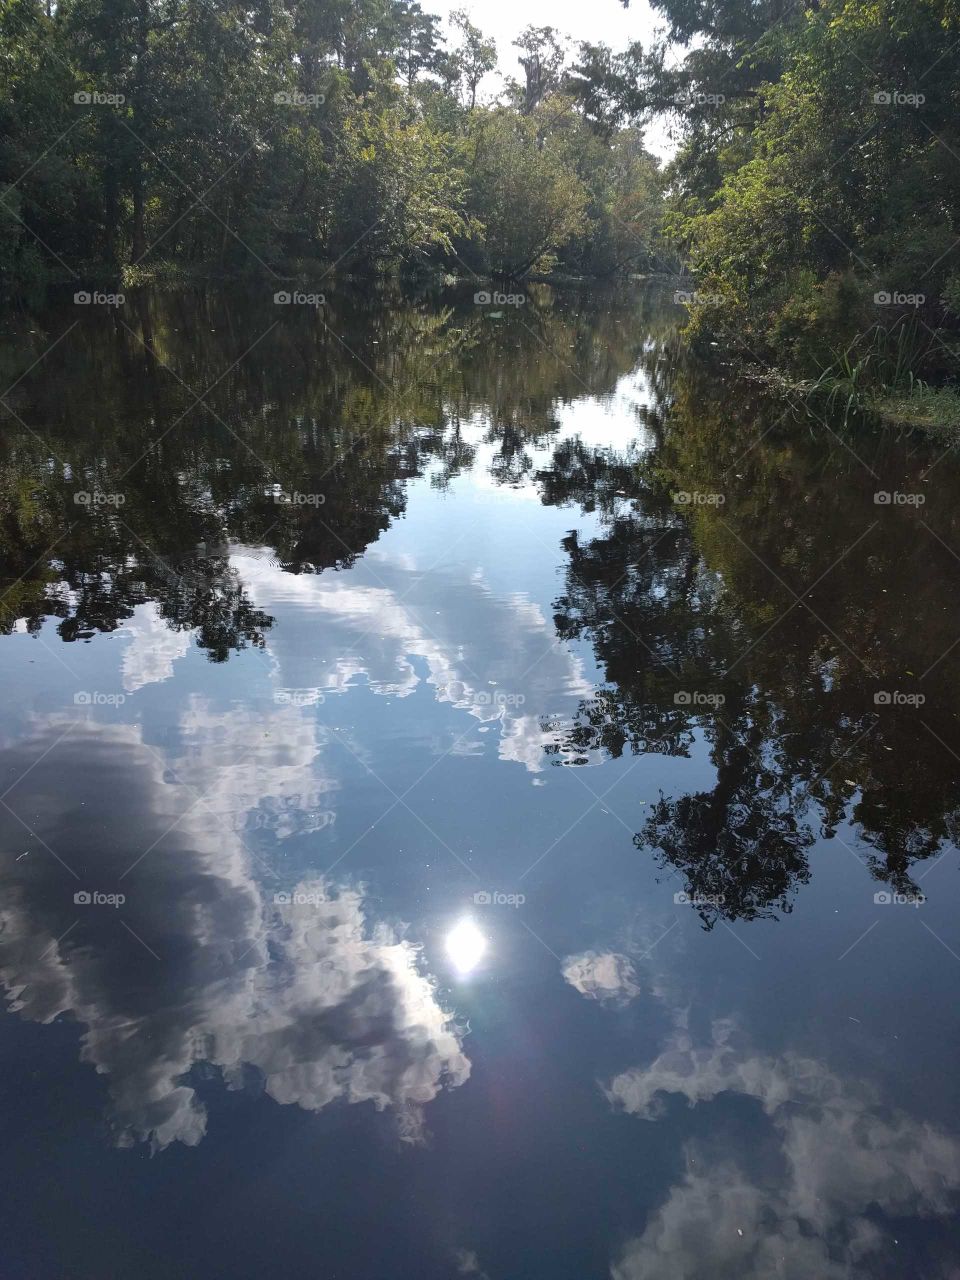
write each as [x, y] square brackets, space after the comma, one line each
[292, 136]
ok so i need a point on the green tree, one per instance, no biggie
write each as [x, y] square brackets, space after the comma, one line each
[527, 200]
[474, 57]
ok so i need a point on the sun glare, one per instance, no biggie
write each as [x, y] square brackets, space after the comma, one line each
[465, 945]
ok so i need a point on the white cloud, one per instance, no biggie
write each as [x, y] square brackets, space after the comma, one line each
[153, 649]
[468, 1264]
[605, 976]
[842, 1153]
[496, 658]
[313, 999]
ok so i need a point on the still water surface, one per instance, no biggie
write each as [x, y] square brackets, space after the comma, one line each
[480, 797]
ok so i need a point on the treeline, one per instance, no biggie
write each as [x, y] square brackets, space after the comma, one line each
[214, 137]
[817, 191]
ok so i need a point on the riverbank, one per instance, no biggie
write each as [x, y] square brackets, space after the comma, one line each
[935, 411]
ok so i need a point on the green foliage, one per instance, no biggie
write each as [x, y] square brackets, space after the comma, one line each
[219, 141]
[529, 202]
[933, 410]
[826, 181]
[875, 373]
[399, 173]
[475, 57]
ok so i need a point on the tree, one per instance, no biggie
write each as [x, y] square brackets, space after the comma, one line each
[790, 225]
[419, 42]
[542, 55]
[528, 202]
[398, 193]
[289, 138]
[474, 58]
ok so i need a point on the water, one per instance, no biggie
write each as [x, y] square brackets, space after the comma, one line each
[480, 796]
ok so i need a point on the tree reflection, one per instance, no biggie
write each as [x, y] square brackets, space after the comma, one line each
[220, 418]
[759, 626]
[765, 623]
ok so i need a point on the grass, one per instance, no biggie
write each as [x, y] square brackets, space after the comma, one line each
[875, 378]
[932, 409]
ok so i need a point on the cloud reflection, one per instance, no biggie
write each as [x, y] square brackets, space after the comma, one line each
[810, 1211]
[605, 976]
[391, 631]
[309, 998]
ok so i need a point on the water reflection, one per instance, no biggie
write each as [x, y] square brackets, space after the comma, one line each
[494, 658]
[773, 626]
[764, 624]
[498, 699]
[821, 1187]
[466, 946]
[296, 992]
[605, 976]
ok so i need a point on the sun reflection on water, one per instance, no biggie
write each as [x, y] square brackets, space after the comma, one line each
[465, 945]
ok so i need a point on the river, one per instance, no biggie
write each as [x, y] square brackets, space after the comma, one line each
[480, 797]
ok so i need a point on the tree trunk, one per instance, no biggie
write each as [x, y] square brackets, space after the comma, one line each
[139, 246]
